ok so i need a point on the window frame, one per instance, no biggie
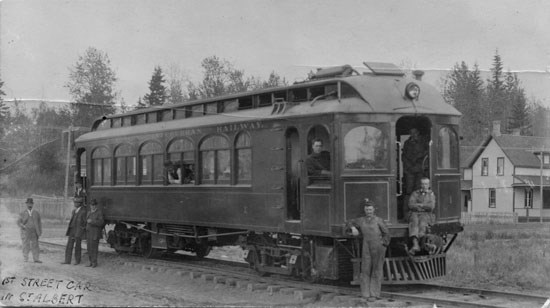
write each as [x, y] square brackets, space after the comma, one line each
[103, 160]
[181, 157]
[500, 166]
[528, 198]
[492, 198]
[127, 158]
[384, 128]
[237, 150]
[155, 160]
[484, 166]
[216, 151]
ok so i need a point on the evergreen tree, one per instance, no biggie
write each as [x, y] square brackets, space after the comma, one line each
[157, 91]
[499, 107]
[91, 85]
[519, 115]
[463, 88]
[4, 110]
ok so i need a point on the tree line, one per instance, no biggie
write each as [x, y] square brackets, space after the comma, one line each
[33, 151]
[500, 98]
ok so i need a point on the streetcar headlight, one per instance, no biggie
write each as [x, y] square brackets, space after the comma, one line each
[412, 90]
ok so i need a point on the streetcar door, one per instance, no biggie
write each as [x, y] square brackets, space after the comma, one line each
[293, 167]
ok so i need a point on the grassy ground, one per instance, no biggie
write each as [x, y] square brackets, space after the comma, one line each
[505, 257]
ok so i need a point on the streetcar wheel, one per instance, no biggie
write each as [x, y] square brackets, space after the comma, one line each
[147, 249]
[202, 250]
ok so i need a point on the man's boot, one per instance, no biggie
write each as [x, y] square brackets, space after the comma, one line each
[416, 247]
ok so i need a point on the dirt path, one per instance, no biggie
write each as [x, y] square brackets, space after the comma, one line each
[110, 284]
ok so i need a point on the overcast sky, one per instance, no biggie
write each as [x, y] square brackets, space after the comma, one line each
[41, 39]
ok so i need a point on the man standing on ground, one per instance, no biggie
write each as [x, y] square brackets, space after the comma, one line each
[94, 226]
[31, 229]
[75, 231]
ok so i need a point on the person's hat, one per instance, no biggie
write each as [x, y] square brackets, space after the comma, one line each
[78, 200]
[93, 202]
[29, 201]
[367, 202]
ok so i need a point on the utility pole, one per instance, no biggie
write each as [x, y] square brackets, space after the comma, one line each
[541, 182]
[68, 164]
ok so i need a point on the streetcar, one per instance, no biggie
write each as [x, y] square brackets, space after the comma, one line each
[231, 170]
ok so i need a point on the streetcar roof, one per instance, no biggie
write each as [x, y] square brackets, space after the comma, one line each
[375, 94]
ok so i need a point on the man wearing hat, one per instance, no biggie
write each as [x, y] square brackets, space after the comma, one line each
[76, 231]
[376, 238]
[31, 229]
[94, 226]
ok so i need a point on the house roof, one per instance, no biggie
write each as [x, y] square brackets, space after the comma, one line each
[531, 181]
[521, 150]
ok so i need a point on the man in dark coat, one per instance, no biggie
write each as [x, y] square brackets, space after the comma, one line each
[31, 229]
[76, 231]
[94, 227]
[376, 238]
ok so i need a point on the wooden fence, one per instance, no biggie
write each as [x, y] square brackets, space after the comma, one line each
[57, 208]
[489, 217]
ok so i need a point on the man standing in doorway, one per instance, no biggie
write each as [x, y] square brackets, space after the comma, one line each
[31, 229]
[94, 227]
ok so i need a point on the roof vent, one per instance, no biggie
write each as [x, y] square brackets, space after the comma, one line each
[389, 69]
[336, 71]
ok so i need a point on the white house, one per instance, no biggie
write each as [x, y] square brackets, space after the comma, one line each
[506, 174]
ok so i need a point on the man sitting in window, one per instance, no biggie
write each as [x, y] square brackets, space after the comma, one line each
[174, 172]
[318, 162]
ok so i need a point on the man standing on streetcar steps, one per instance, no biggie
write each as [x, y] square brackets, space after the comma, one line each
[94, 227]
[376, 238]
[415, 151]
[318, 162]
[421, 206]
[76, 231]
[31, 229]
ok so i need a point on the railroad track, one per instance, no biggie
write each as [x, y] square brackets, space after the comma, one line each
[237, 274]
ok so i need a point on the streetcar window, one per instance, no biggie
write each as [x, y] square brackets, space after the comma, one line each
[151, 157]
[347, 91]
[127, 121]
[230, 106]
[447, 149]
[318, 163]
[243, 155]
[152, 117]
[197, 110]
[211, 108]
[278, 96]
[264, 100]
[101, 164]
[105, 124]
[366, 148]
[125, 165]
[215, 161]
[117, 122]
[165, 115]
[181, 161]
[298, 95]
[180, 113]
[140, 119]
[316, 91]
[245, 103]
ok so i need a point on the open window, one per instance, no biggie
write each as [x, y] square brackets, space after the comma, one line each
[318, 162]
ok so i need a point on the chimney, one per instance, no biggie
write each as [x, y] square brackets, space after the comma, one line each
[418, 74]
[496, 128]
[516, 132]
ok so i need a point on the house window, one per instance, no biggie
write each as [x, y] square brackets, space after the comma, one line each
[485, 166]
[528, 198]
[546, 199]
[500, 166]
[492, 197]
[546, 158]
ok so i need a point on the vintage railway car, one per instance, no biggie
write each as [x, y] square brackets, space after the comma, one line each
[231, 170]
